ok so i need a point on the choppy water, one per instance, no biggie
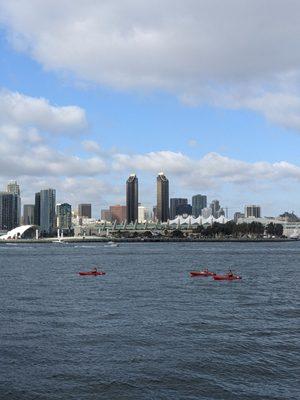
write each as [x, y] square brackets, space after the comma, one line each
[146, 330]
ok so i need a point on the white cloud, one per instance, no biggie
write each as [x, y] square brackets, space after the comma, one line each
[91, 146]
[236, 53]
[209, 170]
[24, 147]
[29, 112]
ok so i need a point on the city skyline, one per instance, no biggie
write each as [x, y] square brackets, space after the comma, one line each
[80, 123]
[133, 211]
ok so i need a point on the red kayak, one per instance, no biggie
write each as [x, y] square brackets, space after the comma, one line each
[91, 273]
[226, 277]
[202, 273]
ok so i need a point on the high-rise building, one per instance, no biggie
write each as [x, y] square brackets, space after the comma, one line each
[174, 203]
[64, 216]
[14, 188]
[117, 213]
[154, 211]
[143, 214]
[238, 215]
[47, 211]
[199, 202]
[184, 209]
[85, 210]
[132, 198]
[206, 212]
[9, 211]
[37, 209]
[162, 197]
[215, 207]
[252, 211]
[28, 214]
[105, 215]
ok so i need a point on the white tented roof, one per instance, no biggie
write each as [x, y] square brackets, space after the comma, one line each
[199, 221]
[16, 232]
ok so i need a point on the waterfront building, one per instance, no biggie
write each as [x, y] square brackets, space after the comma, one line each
[37, 209]
[199, 202]
[14, 188]
[238, 215]
[252, 211]
[28, 214]
[154, 212]
[162, 197]
[174, 203]
[206, 212]
[117, 213]
[132, 196]
[105, 215]
[9, 211]
[184, 209]
[64, 216]
[220, 212]
[143, 214]
[215, 207]
[85, 210]
[47, 211]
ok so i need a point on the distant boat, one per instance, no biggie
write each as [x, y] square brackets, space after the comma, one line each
[112, 244]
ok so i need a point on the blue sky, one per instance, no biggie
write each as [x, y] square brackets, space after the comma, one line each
[219, 122]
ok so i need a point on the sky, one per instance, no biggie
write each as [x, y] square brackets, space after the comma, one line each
[206, 91]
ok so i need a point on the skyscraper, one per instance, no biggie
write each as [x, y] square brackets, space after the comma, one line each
[85, 210]
[9, 217]
[199, 202]
[132, 198]
[117, 213]
[37, 209]
[174, 203]
[252, 211]
[28, 214]
[215, 207]
[162, 197]
[47, 211]
[64, 216]
[14, 188]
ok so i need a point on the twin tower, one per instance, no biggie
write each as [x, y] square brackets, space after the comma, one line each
[132, 198]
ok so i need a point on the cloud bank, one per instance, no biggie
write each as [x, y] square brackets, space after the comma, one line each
[232, 54]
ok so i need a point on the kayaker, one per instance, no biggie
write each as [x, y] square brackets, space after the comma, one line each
[94, 269]
[230, 273]
[206, 270]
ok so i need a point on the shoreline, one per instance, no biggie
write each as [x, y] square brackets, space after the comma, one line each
[89, 239]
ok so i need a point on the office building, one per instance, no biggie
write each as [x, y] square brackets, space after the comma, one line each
[37, 209]
[64, 216]
[215, 207]
[132, 200]
[14, 188]
[206, 212]
[162, 197]
[174, 203]
[184, 209]
[252, 211]
[199, 202]
[238, 215]
[117, 213]
[9, 211]
[143, 214]
[85, 210]
[47, 211]
[28, 214]
[105, 215]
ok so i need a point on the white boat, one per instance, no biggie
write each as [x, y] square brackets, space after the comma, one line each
[112, 244]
